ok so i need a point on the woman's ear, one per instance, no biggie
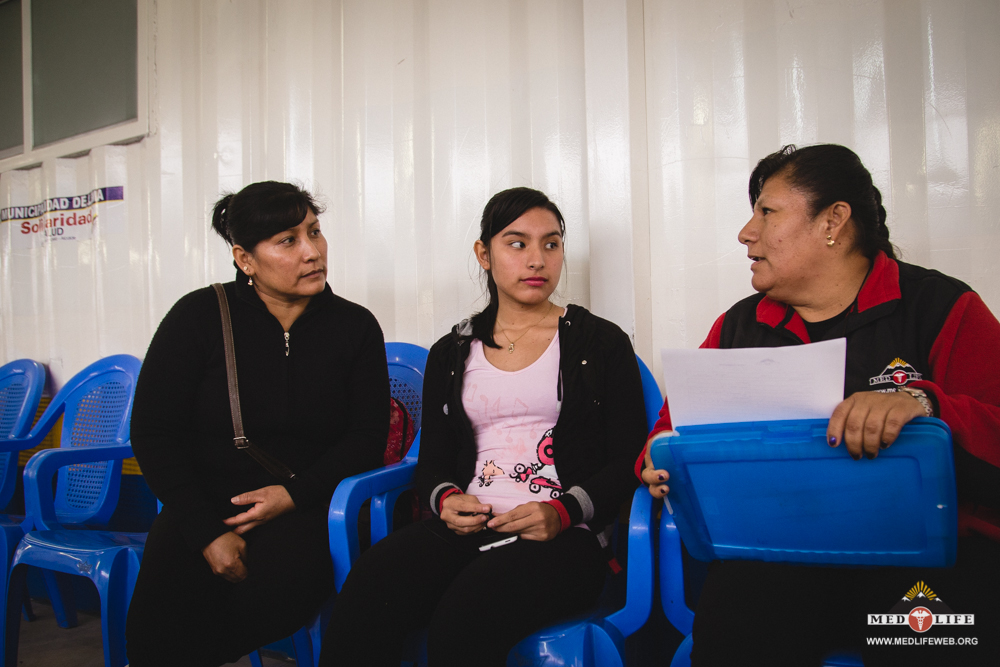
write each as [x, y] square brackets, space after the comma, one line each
[242, 258]
[482, 254]
[836, 217]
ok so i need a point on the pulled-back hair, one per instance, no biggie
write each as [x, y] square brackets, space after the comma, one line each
[828, 173]
[502, 209]
[261, 210]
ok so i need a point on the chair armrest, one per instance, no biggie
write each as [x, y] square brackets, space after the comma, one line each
[640, 588]
[39, 504]
[347, 500]
[672, 574]
[38, 433]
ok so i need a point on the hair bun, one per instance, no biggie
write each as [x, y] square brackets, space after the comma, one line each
[220, 218]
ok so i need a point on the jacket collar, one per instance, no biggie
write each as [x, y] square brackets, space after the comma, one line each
[881, 287]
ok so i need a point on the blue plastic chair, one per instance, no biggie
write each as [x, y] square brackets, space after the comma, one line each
[406, 384]
[914, 532]
[593, 639]
[96, 405]
[21, 386]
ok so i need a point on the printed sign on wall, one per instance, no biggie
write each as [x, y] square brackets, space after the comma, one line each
[65, 218]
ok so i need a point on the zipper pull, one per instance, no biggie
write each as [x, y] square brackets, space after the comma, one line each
[287, 336]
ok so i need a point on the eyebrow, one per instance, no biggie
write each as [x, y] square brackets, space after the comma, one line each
[523, 235]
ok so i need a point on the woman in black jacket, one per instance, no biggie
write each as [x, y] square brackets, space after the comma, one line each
[239, 557]
[532, 416]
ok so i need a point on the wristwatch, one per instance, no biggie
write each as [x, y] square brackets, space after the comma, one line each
[921, 397]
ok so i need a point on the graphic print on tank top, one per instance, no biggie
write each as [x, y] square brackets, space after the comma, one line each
[513, 414]
[540, 475]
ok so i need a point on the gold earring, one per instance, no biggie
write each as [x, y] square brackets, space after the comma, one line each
[829, 240]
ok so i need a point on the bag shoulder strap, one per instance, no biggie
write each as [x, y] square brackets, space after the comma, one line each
[268, 462]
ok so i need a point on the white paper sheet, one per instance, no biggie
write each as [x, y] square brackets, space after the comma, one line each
[754, 384]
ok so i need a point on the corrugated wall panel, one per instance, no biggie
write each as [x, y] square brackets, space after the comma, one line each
[912, 87]
[641, 119]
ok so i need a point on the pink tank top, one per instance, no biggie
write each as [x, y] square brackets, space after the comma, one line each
[512, 415]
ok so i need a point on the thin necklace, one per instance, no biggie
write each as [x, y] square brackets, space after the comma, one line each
[510, 348]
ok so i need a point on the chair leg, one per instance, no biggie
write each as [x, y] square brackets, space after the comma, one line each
[10, 614]
[112, 586]
[28, 610]
[60, 588]
[302, 643]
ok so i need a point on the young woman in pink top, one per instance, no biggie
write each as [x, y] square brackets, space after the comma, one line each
[532, 417]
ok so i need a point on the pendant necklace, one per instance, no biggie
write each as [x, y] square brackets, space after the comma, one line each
[510, 348]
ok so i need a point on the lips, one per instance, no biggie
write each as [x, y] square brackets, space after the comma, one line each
[535, 281]
[313, 274]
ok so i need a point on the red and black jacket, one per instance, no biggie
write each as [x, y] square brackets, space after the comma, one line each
[910, 326]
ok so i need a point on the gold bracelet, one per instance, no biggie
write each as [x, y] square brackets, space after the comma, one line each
[921, 397]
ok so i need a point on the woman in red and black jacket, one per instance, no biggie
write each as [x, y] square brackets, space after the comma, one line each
[919, 343]
[533, 416]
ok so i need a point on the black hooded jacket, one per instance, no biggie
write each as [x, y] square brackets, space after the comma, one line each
[600, 430]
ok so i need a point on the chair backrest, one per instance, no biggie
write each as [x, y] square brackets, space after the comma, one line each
[96, 405]
[406, 376]
[651, 396]
[21, 385]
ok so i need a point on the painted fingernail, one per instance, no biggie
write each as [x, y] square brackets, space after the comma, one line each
[884, 445]
[833, 441]
[856, 457]
[869, 455]
[662, 478]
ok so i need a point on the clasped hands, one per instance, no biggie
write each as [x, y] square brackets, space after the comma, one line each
[226, 554]
[865, 422]
[464, 514]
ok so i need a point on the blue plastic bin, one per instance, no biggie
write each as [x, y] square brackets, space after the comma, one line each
[775, 491]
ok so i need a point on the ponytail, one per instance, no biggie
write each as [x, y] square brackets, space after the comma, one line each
[261, 210]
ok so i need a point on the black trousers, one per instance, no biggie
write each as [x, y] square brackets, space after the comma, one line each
[476, 605]
[753, 613]
[183, 614]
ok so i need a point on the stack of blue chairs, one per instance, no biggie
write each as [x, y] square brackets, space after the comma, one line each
[21, 386]
[96, 405]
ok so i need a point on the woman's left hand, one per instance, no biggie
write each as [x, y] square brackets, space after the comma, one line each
[268, 503]
[869, 420]
[532, 521]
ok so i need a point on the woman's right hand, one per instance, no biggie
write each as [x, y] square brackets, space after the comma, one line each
[654, 479]
[464, 514]
[225, 556]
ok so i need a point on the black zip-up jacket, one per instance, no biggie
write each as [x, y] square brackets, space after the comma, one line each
[318, 404]
[600, 429]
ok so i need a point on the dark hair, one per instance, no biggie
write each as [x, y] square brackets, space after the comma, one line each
[261, 210]
[502, 209]
[829, 173]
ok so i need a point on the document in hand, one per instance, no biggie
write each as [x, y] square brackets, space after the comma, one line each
[754, 384]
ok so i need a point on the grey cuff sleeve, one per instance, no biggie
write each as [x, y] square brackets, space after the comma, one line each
[434, 500]
[586, 506]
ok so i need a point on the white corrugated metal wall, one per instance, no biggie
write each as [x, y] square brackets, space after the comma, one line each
[641, 119]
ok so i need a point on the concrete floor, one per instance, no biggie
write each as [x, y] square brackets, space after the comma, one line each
[44, 644]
